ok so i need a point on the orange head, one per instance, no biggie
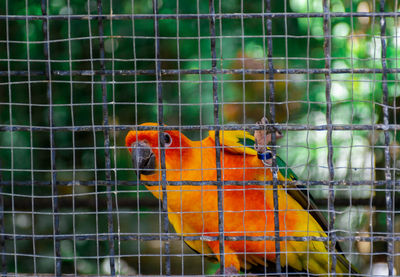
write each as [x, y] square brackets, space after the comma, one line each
[145, 150]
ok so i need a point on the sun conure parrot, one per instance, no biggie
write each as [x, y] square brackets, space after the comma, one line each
[248, 209]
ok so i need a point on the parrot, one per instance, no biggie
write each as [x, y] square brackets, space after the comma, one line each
[248, 209]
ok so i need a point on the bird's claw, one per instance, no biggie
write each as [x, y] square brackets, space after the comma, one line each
[229, 271]
[264, 137]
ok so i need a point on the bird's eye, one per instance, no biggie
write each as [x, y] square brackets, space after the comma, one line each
[167, 139]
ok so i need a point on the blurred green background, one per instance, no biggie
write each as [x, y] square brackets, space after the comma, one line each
[184, 44]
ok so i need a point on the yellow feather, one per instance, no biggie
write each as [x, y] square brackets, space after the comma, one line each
[232, 140]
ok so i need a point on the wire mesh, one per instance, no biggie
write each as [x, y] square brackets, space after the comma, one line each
[76, 76]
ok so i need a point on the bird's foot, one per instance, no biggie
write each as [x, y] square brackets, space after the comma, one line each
[229, 271]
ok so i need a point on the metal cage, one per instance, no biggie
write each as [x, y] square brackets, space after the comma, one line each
[76, 76]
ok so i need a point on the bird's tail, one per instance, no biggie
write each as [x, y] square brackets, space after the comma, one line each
[345, 267]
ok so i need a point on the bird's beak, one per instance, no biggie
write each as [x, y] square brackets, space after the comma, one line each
[143, 158]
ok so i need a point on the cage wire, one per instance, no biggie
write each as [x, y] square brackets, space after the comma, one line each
[76, 76]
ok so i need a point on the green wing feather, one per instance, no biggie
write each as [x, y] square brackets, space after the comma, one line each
[286, 171]
[308, 203]
[247, 142]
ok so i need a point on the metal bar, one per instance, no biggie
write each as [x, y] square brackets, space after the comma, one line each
[165, 224]
[139, 202]
[273, 139]
[196, 16]
[11, 122]
[54, 187]
[126, 72]
[372, 216]
[331, 199]
[2, 228]
[200, 91]
[83, 203]
[110, 220]
[113, 120]
[173, 237]
[179, 81]
[389, 188]
[71, 89]
[92, 97]
[247, 127]
[349, 183]
[88, 275]
[220, 187]
[32, 209]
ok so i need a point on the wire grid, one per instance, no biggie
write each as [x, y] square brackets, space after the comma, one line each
[99, 199]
